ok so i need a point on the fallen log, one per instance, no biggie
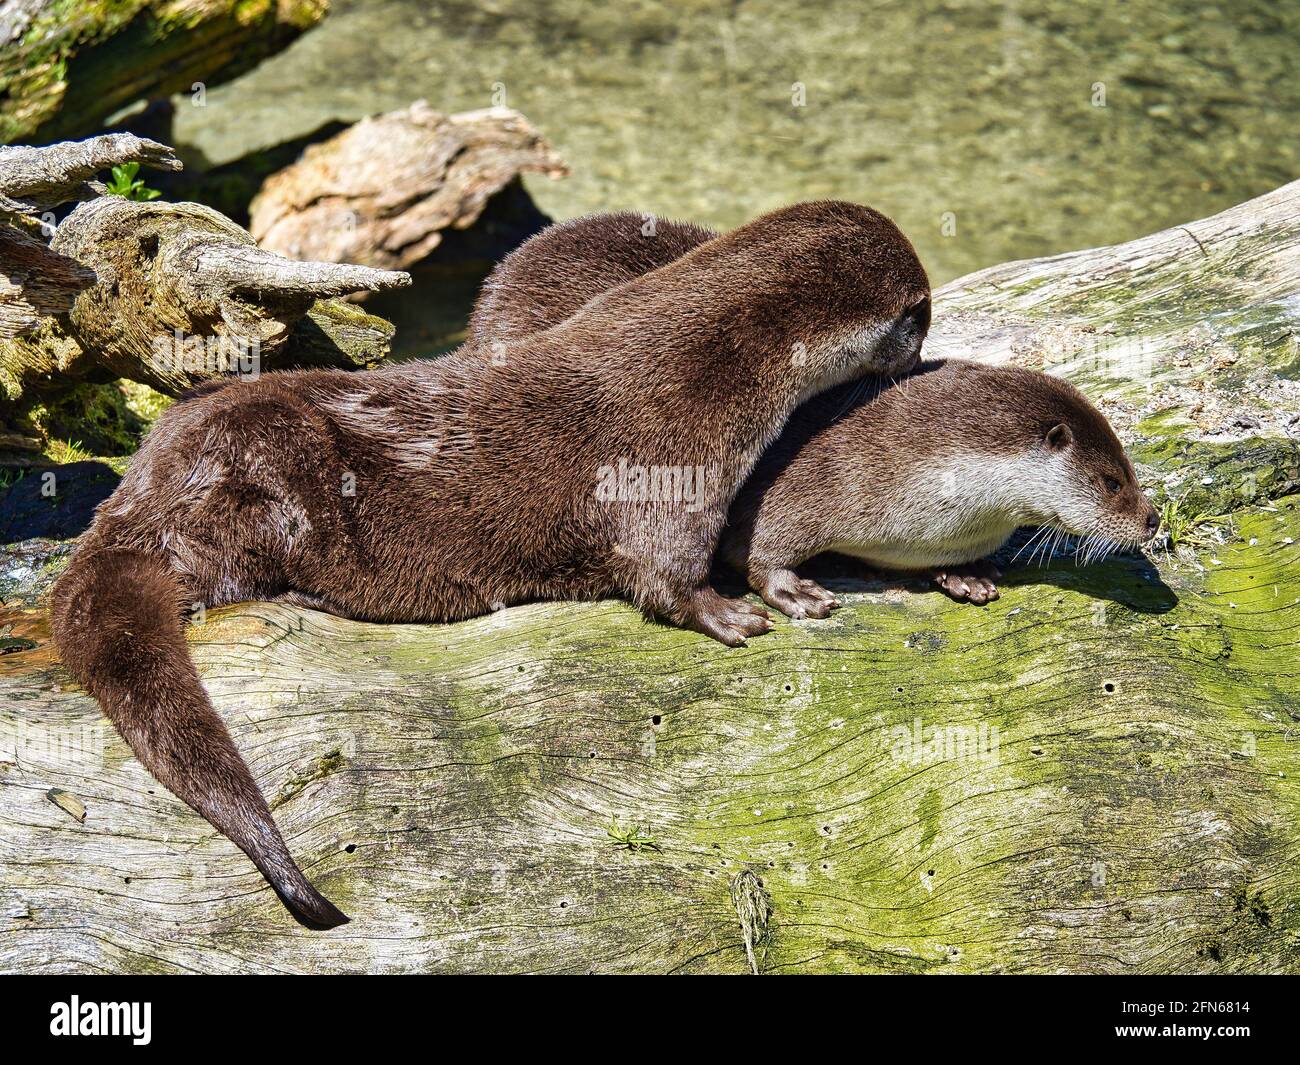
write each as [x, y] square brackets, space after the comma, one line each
[66, 67]
[1096, 773]
[385, 191]
[165, 294]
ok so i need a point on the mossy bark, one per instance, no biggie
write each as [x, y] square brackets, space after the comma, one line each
[168, 295]
[1096, 773]
[69, 64]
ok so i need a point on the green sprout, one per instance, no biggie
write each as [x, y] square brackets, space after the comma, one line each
[63, 452]
[1194, 530]
[632, 838]
[125, 184]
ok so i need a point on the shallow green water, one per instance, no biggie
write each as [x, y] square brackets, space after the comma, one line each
[983, 115]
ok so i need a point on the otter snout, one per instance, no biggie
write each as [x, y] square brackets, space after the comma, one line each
[1141, 521]
[898, 351]
[1153, 521]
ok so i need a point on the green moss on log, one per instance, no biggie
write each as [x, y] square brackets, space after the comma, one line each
[78, 61]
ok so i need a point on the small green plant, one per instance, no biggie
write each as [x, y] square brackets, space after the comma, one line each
[124, 183]
[10, 476]
[63, 452]
[1195, 530]
[632, 838]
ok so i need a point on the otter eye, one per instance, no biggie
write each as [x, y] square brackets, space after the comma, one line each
[1112, 485]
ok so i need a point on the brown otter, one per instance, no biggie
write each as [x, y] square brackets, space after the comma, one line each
[439, 490]
[896, 474]
[904, 478]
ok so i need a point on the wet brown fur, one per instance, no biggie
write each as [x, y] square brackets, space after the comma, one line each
[438, 490]
[912, 474]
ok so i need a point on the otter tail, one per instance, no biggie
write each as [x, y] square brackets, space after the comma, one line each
[117, 623]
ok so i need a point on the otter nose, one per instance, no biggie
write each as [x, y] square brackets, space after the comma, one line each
[1153, 523]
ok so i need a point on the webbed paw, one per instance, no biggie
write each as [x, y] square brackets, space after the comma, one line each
[795, 596]
[970, 582]
[729, 621]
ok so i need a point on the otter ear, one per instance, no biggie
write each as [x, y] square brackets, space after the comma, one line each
[919, 312]
[1059, 437]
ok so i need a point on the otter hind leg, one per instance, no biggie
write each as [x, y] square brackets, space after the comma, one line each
[795, 596]
[729, 621]
[970, 582]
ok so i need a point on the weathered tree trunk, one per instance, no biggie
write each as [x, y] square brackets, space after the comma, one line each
[1096, 773]
[66, 67]
[165, 294]
[36, 281]
[384, 191]
[184, 292]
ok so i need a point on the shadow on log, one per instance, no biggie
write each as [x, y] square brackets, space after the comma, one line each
[1095, 773]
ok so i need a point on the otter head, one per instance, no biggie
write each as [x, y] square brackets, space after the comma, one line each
[1084, 482]
[836, 284]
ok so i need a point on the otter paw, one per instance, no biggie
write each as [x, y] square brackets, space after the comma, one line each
[971, 583]
[729, 621]
[795, 597]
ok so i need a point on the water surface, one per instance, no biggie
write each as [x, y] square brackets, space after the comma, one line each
[979, 127]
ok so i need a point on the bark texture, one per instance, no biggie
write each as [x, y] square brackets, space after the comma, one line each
[384, 191]
[1096, 773]
[66, 67]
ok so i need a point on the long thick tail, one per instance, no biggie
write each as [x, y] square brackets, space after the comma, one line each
[117, 623]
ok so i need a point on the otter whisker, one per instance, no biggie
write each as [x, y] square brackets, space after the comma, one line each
[1061, 537]
[1100, 548]
[1084, 549]
[1048, 547]
[1109, 547]
[1039, 557]
[1029, 540]
[1040, 532]
[856, 393]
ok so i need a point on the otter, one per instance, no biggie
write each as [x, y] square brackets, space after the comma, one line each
[898, 475]
[442, 489]
[894, 473]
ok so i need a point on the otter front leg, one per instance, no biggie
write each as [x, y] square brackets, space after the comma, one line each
[970, 582]
[691, 603]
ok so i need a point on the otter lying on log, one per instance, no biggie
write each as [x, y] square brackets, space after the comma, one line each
[440, 490]
[451, 786]
[894, 473]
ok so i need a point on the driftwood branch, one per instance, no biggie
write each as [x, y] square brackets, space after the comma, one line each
[1096, 773]
[36, 179]
[66, 67]
[384, 191]
[35, 281]
[184, 293]
[166, 294]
